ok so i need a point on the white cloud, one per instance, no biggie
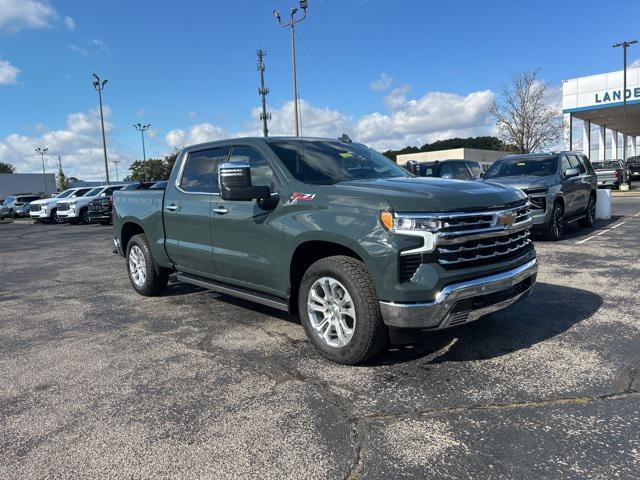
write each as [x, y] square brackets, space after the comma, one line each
[70, 23]
[200, 133]
[79, 145]
[16, 15]
[397, 97]
[635, 64]
[79, 50]
[192, 114]
[382, 83]
[141, 112]
[8, 73]
[100, 46]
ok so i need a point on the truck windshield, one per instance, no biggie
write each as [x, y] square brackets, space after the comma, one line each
[523, 166]
[93, 192]
[324, 162]
[65, 194]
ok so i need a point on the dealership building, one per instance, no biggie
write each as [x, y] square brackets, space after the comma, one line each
[593, 108]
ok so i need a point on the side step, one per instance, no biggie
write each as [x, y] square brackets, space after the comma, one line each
[575, 219]
[239, 292]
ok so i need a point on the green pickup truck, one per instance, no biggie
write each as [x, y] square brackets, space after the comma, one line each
[333, 231]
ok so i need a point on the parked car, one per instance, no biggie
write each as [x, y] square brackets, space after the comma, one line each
[76, 210]
[457, 169]
[610, 173]
[334, 231]
[16, 206]
[46, 210]
[562, 188]
[633, 164]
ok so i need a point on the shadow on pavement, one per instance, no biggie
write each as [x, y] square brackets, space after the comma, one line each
[549, 311]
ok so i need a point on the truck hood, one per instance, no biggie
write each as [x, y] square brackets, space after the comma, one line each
[434, 194]
[520, 181]
[44, 201]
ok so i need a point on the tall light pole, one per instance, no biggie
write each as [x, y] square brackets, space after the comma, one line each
[99, 86]
[624, 46]
[42, 151]
[304, 4]
[116, 162]
[142, 128]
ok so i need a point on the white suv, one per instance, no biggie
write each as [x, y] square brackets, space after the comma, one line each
[76, 209]
[47, 208]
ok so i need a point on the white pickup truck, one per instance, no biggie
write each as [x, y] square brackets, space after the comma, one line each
[46, 210]
[76, 210]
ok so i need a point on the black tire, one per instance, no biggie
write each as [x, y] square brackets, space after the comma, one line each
[370, 334]
[12, 214]
[155, 278]
[555, 228]
[590, 219]
[54, 218]
[84, 216]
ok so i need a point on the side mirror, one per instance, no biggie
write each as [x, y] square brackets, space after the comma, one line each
[571, 172]
[235, 183]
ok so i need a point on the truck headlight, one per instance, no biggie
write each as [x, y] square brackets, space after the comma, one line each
[407, 223]
[423, 226]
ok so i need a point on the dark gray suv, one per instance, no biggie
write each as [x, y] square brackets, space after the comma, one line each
[561, 187]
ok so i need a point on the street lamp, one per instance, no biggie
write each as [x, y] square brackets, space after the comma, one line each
[42, 151]
[291, 23]
[624, 46]
[142, 128]
[116, 162]
[99, 86]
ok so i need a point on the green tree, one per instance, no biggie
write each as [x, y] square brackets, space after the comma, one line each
[7, 168]
[63, 181]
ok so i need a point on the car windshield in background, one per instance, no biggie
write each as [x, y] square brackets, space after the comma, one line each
[158, 186]
[523, 166]
[8, 200]
[65, 194]
[321, 162]
[93, 192]
[602, 165]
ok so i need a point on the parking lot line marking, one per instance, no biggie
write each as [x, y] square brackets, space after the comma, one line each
[600, 233]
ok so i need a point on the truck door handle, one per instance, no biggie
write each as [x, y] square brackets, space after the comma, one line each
[220, 210]
[172, 208]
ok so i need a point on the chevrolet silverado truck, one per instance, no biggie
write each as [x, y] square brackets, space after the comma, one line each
[333, 231]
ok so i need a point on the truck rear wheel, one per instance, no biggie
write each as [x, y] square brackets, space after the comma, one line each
[145, 277]
[340, 312]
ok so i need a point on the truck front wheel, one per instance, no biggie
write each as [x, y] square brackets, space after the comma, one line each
[145, 277]
[340, 312]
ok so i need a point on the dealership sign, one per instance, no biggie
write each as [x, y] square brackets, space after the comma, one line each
[615, 95]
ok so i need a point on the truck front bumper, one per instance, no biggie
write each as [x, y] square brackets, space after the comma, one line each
[464, 302]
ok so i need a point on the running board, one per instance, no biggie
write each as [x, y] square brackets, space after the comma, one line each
[238, 292]
[575, 219]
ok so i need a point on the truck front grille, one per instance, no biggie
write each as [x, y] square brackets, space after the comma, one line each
[36, 208]
[63, 207]
[471, 240]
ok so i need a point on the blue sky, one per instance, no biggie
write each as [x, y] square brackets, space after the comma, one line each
[388, 73]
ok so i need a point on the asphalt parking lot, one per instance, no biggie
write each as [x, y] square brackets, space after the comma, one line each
[96, 381]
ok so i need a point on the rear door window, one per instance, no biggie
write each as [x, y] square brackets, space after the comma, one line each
[575, 163]
[200, 170]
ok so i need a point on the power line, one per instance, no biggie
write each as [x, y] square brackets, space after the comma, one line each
[324, 72]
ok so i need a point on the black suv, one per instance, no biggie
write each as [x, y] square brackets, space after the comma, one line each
[562, 187]
[456, 169]
[633, 164]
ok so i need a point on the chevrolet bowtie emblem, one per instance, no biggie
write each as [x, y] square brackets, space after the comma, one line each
[507, 220]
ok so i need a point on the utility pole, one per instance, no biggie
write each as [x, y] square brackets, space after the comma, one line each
[624, 46]
[263, 92]
[142, 128]
[304, 4]
[116, 162]
[42, 151]
[99, 86]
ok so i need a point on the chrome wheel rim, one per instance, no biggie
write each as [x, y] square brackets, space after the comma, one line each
[137, 266]
[331, 312]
